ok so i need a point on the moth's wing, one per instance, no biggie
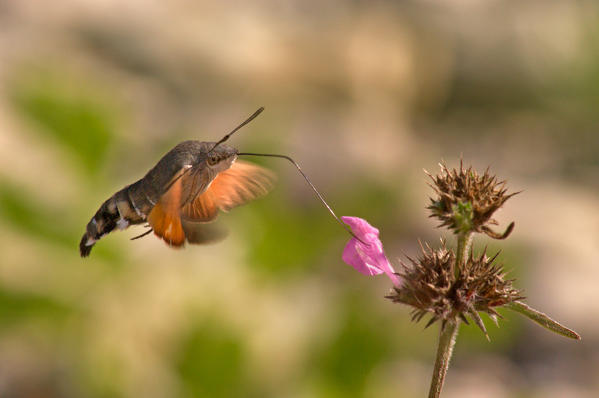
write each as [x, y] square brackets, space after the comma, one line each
[165, 216]
[233, 187]
[241, 183]
[194, 181]
[201, 233]
[203, 208]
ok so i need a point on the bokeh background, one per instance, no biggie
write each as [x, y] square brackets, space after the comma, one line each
[364, 94]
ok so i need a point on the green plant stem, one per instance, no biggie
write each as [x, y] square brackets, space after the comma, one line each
[464, 245]
[447, 338]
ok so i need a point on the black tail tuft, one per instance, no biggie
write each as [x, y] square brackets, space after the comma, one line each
[84, 248]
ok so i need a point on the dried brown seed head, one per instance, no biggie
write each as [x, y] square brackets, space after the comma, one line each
[465, 201]
[431, 286]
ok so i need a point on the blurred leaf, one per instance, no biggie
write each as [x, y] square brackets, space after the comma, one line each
[211, 362]
[32, 217]
[381, 204]
[20, 306]
[359, 346]
[75, 120]
[101, 377]
[285, 240]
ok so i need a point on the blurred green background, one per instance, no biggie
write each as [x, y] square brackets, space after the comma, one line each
[364, 95]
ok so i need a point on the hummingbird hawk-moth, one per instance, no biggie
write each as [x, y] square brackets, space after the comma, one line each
[182, 194]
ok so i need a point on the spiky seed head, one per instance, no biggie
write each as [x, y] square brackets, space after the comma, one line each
[465, 201]
[431, 286]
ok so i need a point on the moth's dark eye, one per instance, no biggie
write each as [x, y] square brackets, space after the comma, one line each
[212, 160]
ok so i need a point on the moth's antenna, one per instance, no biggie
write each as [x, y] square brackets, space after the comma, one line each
[249, 119]
[344, 225]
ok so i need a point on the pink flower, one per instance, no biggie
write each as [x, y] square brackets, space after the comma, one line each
[368, 257]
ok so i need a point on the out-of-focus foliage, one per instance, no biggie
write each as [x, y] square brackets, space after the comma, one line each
[72, 119]
[28, 215]
[224, 374]
[363, 95]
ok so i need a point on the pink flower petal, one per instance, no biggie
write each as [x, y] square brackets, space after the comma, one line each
[369, 257]
[360, 226]
[353, 258]
[387, 268]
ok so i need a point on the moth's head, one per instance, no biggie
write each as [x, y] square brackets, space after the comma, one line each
[221, 157]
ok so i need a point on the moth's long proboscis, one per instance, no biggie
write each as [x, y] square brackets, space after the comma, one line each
[344, 225]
